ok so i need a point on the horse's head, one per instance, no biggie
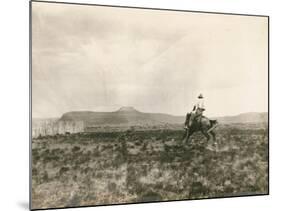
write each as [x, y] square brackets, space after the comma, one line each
[214, 122]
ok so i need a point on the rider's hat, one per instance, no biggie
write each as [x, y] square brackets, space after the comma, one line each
[200, 96]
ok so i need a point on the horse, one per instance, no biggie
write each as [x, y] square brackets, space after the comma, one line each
[202, 124]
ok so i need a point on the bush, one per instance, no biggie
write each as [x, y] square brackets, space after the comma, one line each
[75, 149]
[112, 187]
[150, 196]
[63, 170]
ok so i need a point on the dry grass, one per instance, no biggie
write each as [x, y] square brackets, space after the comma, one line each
[123, 167]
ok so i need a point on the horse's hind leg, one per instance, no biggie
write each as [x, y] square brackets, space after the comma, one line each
[184, 136]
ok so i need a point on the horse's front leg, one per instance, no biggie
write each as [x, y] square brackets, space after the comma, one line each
[184, 136]
[210, 135]
[188, 133]
[213, 136]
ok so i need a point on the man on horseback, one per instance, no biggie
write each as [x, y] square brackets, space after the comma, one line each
[197, 110]
[203, 124]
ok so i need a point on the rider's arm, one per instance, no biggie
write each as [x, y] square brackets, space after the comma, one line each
[194, 107]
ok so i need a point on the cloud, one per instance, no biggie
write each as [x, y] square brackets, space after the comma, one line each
[89, 57]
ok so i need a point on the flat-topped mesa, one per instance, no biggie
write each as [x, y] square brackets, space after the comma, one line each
[130, 116]
[127, 109]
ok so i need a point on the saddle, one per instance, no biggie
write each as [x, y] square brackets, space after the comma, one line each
[194, 119]
[197, 118]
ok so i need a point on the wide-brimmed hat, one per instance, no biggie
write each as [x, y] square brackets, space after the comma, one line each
[200, 96]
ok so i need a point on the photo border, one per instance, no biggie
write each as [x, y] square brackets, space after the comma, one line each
[145, 8]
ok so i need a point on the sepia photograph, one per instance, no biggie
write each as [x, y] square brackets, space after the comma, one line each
[133, 105]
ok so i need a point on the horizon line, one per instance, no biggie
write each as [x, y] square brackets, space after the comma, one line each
[176, 115]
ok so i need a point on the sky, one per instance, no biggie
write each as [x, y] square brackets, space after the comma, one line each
[102, 58]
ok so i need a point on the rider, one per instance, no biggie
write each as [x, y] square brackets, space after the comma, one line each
[197, 110]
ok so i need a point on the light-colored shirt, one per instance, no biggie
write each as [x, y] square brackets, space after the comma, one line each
[200, 103]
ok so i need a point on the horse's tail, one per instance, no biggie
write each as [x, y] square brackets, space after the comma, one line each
[187, 119]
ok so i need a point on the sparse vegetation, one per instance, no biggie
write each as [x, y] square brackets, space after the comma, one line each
[136, 166]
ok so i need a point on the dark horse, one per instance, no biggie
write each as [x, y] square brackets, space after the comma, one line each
[202, 124]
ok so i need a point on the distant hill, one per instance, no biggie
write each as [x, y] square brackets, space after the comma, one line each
[131, 116]
[251, 117]
[123, 116]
